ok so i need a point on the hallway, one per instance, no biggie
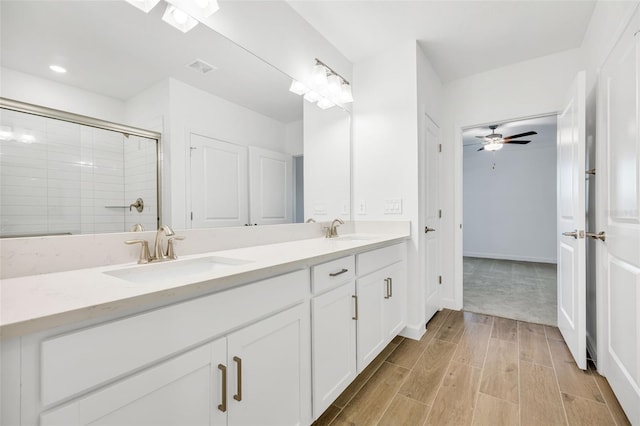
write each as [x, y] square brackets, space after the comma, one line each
[525, 291]
[476, 369]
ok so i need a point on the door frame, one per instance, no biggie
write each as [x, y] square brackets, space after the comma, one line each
[457, 301]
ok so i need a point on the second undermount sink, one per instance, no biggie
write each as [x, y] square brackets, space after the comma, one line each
[170, 270]
[354, 237]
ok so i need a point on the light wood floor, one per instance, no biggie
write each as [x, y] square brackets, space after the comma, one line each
[477, 369]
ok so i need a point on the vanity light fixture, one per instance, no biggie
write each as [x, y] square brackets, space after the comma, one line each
[58, 69]
[325, 86]
[144, 5]
[178, 19]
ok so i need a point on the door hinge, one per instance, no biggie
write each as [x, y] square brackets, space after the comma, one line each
[591, 172]
[191, 215]
[440, 213]
[439, 147]
[439, 279]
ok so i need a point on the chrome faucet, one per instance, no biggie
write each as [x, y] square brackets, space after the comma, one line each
[158, 246]
[332, 230]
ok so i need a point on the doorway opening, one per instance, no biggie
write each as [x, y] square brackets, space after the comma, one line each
[509, 215]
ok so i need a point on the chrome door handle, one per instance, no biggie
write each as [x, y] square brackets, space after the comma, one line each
[427, 230]
[387, 281]
[599, 236]
[223, 406]
[238, 395]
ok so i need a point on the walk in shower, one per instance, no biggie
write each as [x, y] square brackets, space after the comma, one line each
[66, 174]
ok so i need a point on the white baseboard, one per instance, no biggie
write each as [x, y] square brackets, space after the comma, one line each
[414, 332]
[451, 304]
[509, 257]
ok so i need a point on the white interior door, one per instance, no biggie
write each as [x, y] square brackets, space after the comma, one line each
[219, 183]
[571, 221]
[271, 187]
[618, 215]
[431, 197]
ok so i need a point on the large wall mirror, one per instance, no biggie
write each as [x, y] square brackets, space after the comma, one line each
[232, 135]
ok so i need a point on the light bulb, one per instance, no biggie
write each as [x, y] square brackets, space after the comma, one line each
[311, 96]
[298, 88]
[334, 85]
[319, 75]
[325, 103]
[493, 146]
[180, 16]
[345, 94]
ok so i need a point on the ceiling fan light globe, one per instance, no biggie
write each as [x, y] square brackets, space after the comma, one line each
[493, 147]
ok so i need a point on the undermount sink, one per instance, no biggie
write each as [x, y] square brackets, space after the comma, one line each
[155, 272]
[354, 238]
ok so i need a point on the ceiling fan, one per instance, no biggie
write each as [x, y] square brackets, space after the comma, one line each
[495, 141]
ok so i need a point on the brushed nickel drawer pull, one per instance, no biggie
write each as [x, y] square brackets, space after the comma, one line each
[355, 298]
[386, 282]
[223, 406]
[335, 274]
[238, 395]
[390, 286]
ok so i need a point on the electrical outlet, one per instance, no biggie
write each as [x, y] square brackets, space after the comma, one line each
[345, 207]
[319, 208]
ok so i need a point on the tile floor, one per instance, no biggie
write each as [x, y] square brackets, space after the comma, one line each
[476, 369]
[525, 291]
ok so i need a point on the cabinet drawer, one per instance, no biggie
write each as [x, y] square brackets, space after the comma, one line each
[377, 259]
[328, 275]
[86, 358]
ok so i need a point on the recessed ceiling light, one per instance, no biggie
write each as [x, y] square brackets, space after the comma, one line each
[58, 69]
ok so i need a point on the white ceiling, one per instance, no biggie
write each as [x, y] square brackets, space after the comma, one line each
[110, 47]
[460, 38]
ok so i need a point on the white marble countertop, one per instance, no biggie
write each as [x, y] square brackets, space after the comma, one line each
[39, 302]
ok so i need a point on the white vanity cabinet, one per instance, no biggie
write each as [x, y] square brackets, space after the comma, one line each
[237, 380]
[167, 366]
[381, 292]
[333, 311]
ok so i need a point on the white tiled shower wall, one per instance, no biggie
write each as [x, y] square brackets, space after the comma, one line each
[58, 177]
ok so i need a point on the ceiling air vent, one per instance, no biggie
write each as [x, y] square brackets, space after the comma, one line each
[200, 66]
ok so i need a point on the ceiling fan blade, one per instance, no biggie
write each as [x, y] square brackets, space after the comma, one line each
[481, 137]
[520, 135]
[481, 149]
[518, 142]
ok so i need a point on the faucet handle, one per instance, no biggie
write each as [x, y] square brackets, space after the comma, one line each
[145, 256]
[171, 254]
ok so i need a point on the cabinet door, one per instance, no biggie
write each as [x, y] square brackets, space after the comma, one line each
[219, 185]
[371, 326]
[333, 345]
[270, 187]
[395, 306]
[185, 390]
[270, 371]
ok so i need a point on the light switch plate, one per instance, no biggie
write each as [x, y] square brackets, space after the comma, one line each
[393, 206]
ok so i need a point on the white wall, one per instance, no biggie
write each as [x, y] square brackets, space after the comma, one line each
[39, 91]
[293, 138]
[510, 211]
[520, 90]
[327, 163]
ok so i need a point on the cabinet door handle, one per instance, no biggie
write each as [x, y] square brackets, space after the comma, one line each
[238, 395]
[335, 274]
[223, 406]
[355, 298]
[386, 282]
[390, 286]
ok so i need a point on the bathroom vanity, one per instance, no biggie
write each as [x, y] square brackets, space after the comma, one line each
[263, 334]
